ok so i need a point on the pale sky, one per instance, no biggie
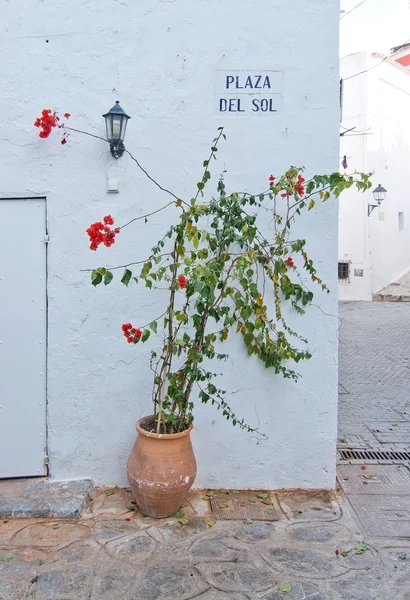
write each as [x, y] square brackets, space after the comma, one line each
[376, 26]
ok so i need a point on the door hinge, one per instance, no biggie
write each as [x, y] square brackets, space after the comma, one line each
[46, 239]
[46, 461]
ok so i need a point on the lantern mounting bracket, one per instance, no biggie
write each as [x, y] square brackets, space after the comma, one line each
[117, 149]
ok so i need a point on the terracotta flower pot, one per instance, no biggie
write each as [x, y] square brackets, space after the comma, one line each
[161, 469]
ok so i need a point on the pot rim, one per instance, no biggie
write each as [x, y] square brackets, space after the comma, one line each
[161, 436]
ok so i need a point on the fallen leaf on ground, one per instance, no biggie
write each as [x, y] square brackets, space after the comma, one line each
[41, 562]
[205, 498]
[183, 521]
[236, 492]
[6, 521]
[179, 515]
[130, 506]
[285, 587]
[247, 521]
[368, 476]
[403, 556]
[109, 492]
[350, 446]
[210, 493]
[263, 496]
[268, 502]
[224, 491]
[361, 548]
[223, 505]
[252, 499]
[5, 559]
[210, 522]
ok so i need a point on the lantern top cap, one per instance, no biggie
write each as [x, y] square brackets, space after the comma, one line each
[379, 189]
[117, 110]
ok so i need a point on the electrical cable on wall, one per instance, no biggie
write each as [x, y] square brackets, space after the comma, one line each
[351, 10]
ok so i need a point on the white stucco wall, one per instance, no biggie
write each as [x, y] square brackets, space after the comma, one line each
[375, 102]
[159, 60]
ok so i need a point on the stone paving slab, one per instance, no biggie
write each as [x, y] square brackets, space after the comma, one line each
[383, 516]
[24, 498]
[117, 554]
[377, 479]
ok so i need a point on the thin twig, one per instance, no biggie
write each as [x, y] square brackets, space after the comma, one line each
[148, 215]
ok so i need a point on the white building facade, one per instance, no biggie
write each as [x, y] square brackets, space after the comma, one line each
[374, 249]
[71, 388]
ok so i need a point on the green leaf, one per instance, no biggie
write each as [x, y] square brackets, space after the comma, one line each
[403, 556]
[125, 279]
[223, 505]
[5, 559]
[179, 515]
[236, 492]
[154, 326]
[145, 335]
[263, 496]
[96, 277]
[210, 493]
[109, 492]
[108, 277]
[183, 521]
[224, 491]
[210, 522]
[285, 587]
[41, 562]
[361, 548]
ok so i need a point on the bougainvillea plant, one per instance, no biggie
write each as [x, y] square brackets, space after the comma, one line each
[226, 274]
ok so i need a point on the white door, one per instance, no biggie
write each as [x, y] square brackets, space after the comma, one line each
[23, 337]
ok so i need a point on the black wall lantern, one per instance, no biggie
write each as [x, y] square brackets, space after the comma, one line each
[116, 123]
[379, 195]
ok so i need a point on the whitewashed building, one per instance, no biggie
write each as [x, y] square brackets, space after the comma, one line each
[71, 389]
[374, 243]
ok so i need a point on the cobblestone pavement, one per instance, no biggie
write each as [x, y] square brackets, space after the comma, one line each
[117, 554]
[374, 376]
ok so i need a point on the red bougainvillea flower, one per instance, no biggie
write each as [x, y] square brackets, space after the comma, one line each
[337, 552]
[182, 281]
[283, 195]
[131, 334]
[271, 180]
[363, 468]
[289, 262]
[299, 187]
[48, 121]
[100, 233]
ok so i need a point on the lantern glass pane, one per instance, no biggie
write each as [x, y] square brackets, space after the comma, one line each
[116, 127]
[108, 125]
[123, 127]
